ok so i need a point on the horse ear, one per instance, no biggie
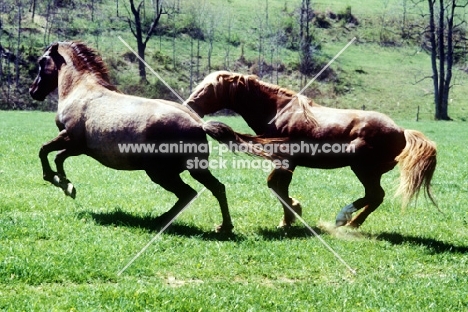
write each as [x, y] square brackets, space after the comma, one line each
[54, 48]
[58, 59]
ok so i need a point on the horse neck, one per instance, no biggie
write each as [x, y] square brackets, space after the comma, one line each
[69, 80]
[74, 91]
[258, 107]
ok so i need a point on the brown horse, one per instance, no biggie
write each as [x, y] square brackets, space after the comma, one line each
[96, 120]
[369, 142]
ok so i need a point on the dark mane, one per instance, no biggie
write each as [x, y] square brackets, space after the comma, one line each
[87, 59]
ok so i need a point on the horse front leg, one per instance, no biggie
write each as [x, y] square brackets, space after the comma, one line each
[61, 177]
[60, 143]
[171, 181]
[278, 181]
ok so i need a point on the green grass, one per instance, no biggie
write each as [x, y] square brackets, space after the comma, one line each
[60, 254]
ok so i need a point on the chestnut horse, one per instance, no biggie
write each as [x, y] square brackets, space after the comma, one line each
[373, 143]
[95, 119]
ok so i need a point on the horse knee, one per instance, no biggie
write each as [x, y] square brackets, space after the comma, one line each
[43, 152]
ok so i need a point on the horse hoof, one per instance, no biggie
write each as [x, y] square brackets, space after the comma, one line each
[224, 229]
[284, 225]
[343, 218]
[296, 206]
[339, 223]
[56, 180]
[70, 190]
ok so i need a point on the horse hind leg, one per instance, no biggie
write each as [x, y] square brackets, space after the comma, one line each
[278, 181]
[374, 195]
[172, 182]
[218, 190]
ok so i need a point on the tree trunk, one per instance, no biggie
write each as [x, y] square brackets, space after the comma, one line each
[137, 31]
[448, 75]
[442, 50]
[139, 38]
[32, 9]
[191, 65]
[18, 45]
[435, 72]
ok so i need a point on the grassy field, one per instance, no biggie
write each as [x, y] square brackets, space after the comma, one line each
[59, 254]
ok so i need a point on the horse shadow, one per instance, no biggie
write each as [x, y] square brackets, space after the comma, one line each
[292, 232]
[151, 223]
[432, 245]
[119, 217]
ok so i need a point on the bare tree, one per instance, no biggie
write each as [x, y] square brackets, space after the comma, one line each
[306, 47]
[137, 25]
[198, 11]
[227, 46]
[442, 45]
[19, 5]
[32, 9]
[212, 25]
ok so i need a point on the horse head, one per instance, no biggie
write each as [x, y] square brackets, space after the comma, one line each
[47, 79]
[210, 95]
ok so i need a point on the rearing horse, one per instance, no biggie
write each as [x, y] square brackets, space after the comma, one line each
[94, 119]
[378, 144]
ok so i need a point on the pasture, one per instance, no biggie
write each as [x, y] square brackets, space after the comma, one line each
[62, 254]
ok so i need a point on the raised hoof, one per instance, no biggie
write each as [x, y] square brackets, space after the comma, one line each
[224, 229]
[65, 185]
[70, 191]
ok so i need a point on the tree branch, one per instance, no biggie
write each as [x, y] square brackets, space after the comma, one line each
[154, 24]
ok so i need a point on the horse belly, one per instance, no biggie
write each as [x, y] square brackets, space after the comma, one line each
[323, 161]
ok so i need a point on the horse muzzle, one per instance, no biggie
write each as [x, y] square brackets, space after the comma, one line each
[33, 91]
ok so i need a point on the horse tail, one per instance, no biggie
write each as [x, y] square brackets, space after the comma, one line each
[253, 145]
[417, 165]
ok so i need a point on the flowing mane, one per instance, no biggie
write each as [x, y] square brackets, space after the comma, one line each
[87, 59]
[220, 79]
[304, 102]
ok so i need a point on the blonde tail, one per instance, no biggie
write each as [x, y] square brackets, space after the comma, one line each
[417, 165]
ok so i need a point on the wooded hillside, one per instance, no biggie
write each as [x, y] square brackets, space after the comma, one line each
[283, 42]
